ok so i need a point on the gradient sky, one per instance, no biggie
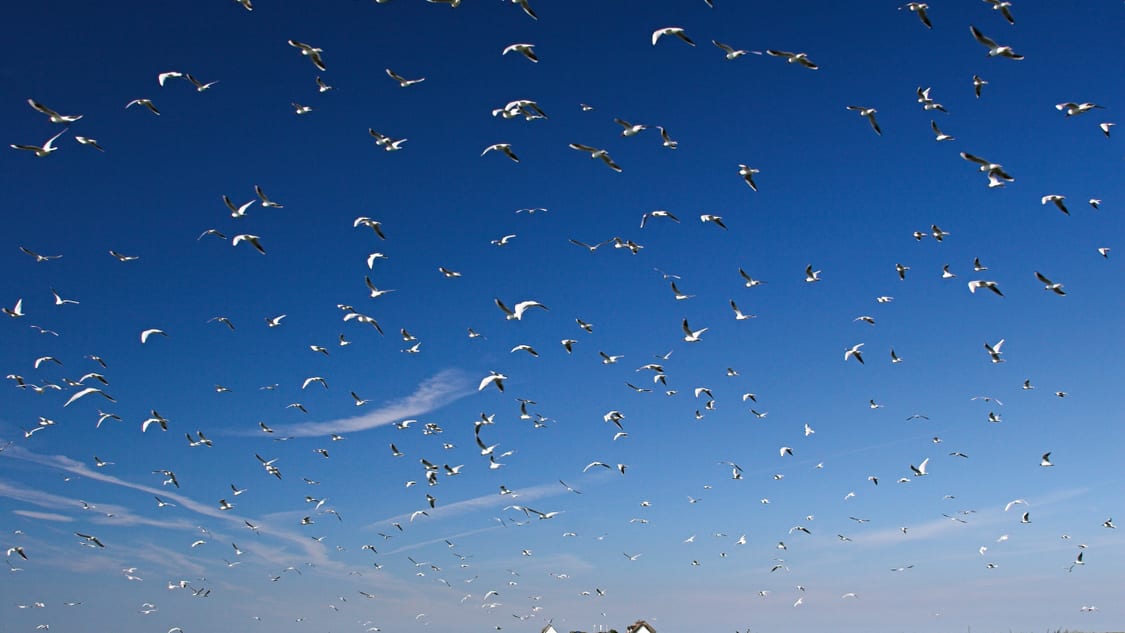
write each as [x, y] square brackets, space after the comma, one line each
[662, 541]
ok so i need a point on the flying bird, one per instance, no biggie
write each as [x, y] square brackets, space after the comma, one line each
[994, 49]
[919, 9]
[671, 30]
[311, 52]
[794, 58]
[870, 114]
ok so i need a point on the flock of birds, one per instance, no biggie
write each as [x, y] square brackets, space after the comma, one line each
[67, 392]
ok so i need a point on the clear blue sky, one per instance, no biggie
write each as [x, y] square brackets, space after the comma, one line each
[663, 541]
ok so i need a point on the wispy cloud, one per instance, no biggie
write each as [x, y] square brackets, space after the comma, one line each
[43, 516]
[433, 393]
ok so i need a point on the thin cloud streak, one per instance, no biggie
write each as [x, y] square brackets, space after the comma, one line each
[433, 393]
[44, 516]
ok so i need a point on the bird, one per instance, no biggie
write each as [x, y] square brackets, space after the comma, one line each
[978, 83]
[994, 351]
[630, 129]
[238, 211]
[692, 336]
[523, 49]
[1050, 285]
[671, 30]
[521, 307]
[505, 148]
[994, 49]
[738, 314]
[494, 378]
[41, 150]
[901, 270]
[15, 311]
[938, 135]
[85, 140]
[659, 213]
[149, 332]
[714, 219]
[311, 52]
[854, 351]
[1073, 109]
[991, 285]
[794, 58]
[403, 81]
[1105, 128]
[1003, 7]
[811, 276]
[253, 240]
[919, 9]
[870, 114]
[1057, 200]
[667, 140]
[266, 202]
[1045, 461]
[54, 117]
[597, 153]
[731, 52]
[920, 469]
[143, 102]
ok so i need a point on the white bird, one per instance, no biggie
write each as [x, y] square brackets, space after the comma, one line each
[505, 148]
[312, 379]
[311, 52]
[919, 8]
[978, 83]
[266, 202]
[738, 314]
[87, 391]
[253, 240]
[870, 114]
[1003, 7]
[16, 311]
[521, 307]
[854, 351]
[714, 219]
[147, 333]
[630, 129]
[1073, 109]
[671, 30]
[731, 52]
[811, 276]
[374, 225]
[979, 283]
[659, 213]
[1045, 461]
[41, 150]
[238, 211]
[144, 102]
[994, 49]
[1105, 128]
[85, 140]
[55, 117]
[667, 140]
[493, 378]
[794, 58]
[939, 136]
[597, 153]
[920, 469]
[1057, 200]
[994, 351]
[522, 49]
[403, 81]
[1050, 285]
[692, 336]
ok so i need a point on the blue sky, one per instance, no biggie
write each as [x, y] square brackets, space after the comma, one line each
[662, 541]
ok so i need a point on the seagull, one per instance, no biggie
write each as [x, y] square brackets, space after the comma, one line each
[939, 136]
[403, 81]
[1105, 128]
[870, 114]
[522, 49]
[301, 109]
[506, 148]
[311, 52]
[54, 116]
[667, 140]
[811, 276]
[920, 469]
[597, 153]
[978, 83]
[631, 129]
[85, 140]
[714, 219]
[144, 102]
[991, 285]
[199, 85]
[253, 240]
[692, 336]
[41, 150]
[799, 58]
[994, 49]
[993, 169]
[920, 9]
[238, 211]
[1045, 461]
[670, 30]
[1003, 7]
[738, 314]
[854, 351]
[147, 333]
[16, 311]
[994, 351]
[731, 52]
[321, 86]
[493, 378]
[374, 225]
[1074, 109]
[659, 213]
[1057, 200]
[1094, 202]
[901, 270]
[266, 202]
[521, 307]
[1049, 285]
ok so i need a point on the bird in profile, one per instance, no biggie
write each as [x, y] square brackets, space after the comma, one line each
[403, 81]
[870, 114]
[854, 351]
[143, 102]
[991, 285]
[527, 50]
[54, 117]
[40, 150]
[504, 148]
[994, 49]
[811, 276]
[747, 174]
[516, 314]
[1057, 200]
[597, 153]
[671, 30]
[1050, 285]
[919, 9]
[978, 83]
[794, 58]
[311, 52]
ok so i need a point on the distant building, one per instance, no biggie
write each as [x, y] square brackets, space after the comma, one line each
[640, 626]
